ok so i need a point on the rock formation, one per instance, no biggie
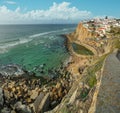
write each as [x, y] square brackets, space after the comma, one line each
[30, 94]
[84, 91]
[81, 33]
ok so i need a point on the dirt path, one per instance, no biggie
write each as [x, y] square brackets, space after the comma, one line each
[108, 100]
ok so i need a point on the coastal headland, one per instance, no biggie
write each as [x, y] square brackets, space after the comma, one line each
[78, 84]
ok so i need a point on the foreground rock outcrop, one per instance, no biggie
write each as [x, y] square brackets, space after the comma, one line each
[24, 93]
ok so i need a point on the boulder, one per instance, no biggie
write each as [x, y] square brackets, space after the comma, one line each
[5, 110]
[34, 94]
[21, 108]
[58, 85]
[10, 70]
[45, 104]
[38, 101]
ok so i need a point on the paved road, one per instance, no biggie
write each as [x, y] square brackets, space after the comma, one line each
[108, 100]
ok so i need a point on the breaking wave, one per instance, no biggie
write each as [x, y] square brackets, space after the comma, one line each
[4, 47]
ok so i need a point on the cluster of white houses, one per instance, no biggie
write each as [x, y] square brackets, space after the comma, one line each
[101, 26]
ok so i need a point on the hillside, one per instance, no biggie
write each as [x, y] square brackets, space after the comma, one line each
[78, 87]
[88, 77]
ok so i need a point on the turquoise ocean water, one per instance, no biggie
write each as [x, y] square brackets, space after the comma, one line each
[32, 46]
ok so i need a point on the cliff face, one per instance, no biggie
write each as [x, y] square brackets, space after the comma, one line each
[83, 36]
[81, 33]
[90, 92]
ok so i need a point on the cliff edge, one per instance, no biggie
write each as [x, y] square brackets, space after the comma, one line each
[81, 33]
[89, 75]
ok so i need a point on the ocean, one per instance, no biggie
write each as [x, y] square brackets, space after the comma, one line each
[32, 46]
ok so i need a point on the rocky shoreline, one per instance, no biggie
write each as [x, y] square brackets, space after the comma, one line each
[23, 92]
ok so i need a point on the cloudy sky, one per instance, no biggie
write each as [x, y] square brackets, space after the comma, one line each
[55, 11]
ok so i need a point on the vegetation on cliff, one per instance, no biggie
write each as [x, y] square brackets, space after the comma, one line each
[90, 78]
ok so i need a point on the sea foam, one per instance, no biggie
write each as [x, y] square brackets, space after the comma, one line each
[4, 47]
[46, 33]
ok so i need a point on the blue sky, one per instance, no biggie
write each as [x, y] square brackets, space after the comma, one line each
[56, 11]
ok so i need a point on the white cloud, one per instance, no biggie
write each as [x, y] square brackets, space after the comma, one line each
[10, 2]
[57, 13]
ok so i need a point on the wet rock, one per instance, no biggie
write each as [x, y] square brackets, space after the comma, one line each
[1, 98]
[5, 110]
[11, 70]
[21, 108]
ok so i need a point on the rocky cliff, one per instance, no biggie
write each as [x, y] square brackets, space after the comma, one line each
[81, 33]
[88, 93]
[84, 37]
